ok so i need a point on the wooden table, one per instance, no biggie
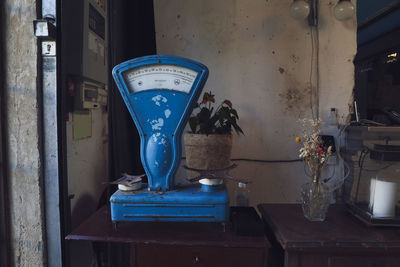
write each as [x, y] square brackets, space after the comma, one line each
[175, 244]
[342, 240]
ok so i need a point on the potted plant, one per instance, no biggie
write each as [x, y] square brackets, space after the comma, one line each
[209, 144]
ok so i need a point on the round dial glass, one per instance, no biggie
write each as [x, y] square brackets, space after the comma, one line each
[162, 76]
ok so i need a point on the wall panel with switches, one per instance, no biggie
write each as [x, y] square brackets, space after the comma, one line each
[86, 44]
[85, 93]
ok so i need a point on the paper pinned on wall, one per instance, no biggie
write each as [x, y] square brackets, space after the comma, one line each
[82, 124]
[95, 45]
[92, 42]
[101, 49]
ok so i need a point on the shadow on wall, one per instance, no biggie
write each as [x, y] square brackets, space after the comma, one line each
[83, 208]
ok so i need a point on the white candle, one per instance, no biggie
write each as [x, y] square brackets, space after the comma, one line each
[383, 198]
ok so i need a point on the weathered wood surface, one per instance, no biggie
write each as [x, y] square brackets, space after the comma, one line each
[340, 230]
[175, 244]
[340, 241]
[99, 227]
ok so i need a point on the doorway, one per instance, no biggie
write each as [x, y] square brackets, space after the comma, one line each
[99, 138]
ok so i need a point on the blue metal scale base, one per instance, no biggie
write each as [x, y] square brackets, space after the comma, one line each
[194, 203]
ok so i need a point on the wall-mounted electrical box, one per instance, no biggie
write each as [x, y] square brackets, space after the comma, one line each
[91, 95]
[86, 93]
[85, 39]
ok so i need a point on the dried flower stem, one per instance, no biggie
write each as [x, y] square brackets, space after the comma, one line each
[313, 151]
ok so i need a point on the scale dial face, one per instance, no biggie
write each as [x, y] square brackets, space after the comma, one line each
[162, 76]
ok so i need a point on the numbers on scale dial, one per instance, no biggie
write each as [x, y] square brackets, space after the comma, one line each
[168, 77]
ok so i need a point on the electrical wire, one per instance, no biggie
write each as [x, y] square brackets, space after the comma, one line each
[343, 129]
[317, 70]
[360, 164]
[361, 159]
[339, 152]
[311, 73]
[268, 161]
[263, 160]
[314, 93]
[338, 145]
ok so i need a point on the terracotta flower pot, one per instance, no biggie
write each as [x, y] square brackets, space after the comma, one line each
[207, 152]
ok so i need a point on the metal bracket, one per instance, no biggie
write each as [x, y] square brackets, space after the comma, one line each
[215, 174]
[313, 16]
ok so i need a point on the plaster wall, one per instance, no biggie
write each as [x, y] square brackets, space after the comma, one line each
[23, 122]
[260, 58]
[87, 173]
[87, 167]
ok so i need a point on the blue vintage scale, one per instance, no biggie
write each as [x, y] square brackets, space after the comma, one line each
[160, 93]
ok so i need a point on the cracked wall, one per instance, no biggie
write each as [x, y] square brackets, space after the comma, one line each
[25, 166]
[259, 58]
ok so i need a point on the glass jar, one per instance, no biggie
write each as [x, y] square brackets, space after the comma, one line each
[241, 195]
[315, 200]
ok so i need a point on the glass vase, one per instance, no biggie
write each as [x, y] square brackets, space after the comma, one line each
[315, 198]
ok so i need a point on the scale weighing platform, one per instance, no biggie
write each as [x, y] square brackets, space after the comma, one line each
[160, 93]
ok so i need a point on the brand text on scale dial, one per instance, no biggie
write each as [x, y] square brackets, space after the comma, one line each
[167, 77]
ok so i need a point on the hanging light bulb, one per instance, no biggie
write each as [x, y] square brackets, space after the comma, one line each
[344, 10]
[299, 9]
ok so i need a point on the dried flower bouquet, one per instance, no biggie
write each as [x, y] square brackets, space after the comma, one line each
[313, 151]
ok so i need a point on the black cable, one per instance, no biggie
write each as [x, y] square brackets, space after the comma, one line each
[263, 160]
[311, 73]
[363, 154]
[366, 151]
[317, 71]
[268, 161]
[361, 159]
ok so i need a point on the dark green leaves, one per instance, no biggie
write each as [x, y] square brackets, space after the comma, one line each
[221, 122]
[208, 97]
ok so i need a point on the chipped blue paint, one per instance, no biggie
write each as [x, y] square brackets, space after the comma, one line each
[159, 98]
[181, 204]
[167, 113]
[157, 124]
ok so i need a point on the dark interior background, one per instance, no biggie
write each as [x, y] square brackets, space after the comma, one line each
[132, 34]
[377, 64]
[5, 250]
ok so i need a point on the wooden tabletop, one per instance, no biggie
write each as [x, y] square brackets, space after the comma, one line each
[340, 229]
[99, 227]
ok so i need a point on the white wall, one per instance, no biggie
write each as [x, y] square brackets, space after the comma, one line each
[259, 58]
